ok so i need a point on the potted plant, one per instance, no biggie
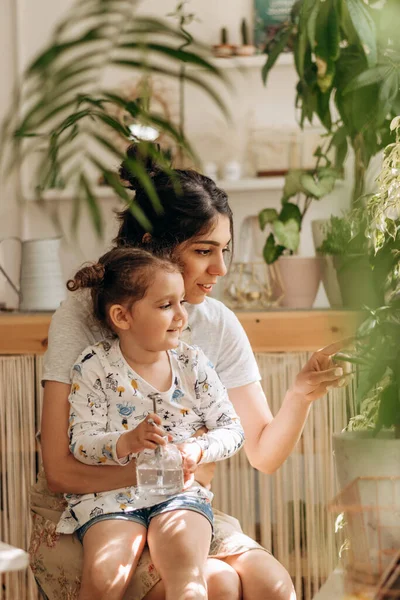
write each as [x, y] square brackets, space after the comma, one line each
[345, 242]
[371, 447]
[246, 48]
[224, 49]
[347, 56]
[300, 276]
[367, 454]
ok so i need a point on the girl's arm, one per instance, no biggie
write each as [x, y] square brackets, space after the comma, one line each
[63, 472]
[225, 434]
[67, 475]
[270, 440]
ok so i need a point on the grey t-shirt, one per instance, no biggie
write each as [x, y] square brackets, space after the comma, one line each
[212, 327]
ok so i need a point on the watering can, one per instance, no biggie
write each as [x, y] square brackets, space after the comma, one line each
[42, 286]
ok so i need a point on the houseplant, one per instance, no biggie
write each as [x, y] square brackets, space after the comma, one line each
[284, 229]
[372, 446]
[62, 101]
[346, 244]
[347, 56]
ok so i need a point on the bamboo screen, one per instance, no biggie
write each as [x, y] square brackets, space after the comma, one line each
[286, 512]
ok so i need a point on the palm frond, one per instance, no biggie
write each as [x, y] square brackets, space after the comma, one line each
[62, 99]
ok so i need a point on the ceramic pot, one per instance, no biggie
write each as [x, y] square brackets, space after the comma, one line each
[300, 278]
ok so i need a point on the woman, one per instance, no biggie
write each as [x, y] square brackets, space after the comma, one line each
[196, 225]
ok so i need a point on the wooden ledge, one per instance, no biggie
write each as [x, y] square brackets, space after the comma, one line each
[298, 330]
[268, 331]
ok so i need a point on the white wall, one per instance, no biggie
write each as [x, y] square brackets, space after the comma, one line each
[214, 138]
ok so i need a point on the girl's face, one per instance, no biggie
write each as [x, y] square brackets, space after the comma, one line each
[155, 322]
[203, 260]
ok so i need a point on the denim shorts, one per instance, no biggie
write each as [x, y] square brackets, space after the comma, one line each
[144, 515]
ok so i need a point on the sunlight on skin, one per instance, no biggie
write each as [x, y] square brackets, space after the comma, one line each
[122, 570]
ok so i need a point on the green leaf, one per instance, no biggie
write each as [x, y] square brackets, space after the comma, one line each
[369, 77]
[290, 211]
[271, 252]
[273, 55]
[293, 184]
[287, 234]
[364, 25]
[267, 215]
[92, 204]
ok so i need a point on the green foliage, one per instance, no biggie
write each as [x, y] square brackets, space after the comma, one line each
[244, 31]
[285, 227]
[63, 116]
[376, 350]
[345, 235]
[347, 54]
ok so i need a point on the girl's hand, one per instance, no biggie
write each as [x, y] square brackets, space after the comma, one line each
[191, 454]
[320, 373]
[147, 434]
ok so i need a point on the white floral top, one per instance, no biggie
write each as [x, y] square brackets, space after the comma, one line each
[108, 397]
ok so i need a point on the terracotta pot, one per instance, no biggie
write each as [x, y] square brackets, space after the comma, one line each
[300, 277]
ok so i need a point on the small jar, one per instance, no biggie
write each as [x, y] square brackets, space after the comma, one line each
[159, 472]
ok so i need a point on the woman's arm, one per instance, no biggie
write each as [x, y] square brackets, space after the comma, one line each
[63, 472]
[270, 440]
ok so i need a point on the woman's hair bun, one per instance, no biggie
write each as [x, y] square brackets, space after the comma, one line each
[142, 153]
[90, 276]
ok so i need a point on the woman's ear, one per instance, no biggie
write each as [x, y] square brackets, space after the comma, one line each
[118, 315]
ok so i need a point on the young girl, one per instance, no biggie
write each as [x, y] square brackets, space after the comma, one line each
[115, 384]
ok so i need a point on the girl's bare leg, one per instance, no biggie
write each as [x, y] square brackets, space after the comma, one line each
[262, 576]
[179, 542]
[111, 550]
[223, 583]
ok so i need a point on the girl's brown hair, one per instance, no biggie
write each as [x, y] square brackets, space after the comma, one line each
[121, 276]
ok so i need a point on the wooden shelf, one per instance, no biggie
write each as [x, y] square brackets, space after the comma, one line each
[268, 331]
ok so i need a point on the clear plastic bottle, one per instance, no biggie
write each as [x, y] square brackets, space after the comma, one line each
[159, 472]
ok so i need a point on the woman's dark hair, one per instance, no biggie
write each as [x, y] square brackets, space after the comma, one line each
[191, 203]
[122, 276]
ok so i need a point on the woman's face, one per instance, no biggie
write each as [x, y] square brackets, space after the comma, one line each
[203, 260]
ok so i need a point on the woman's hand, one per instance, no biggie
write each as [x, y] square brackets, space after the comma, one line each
[147, 435]
[191, 454]
[320, 374]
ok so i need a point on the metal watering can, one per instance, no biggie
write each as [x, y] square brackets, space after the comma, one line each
[42, 286]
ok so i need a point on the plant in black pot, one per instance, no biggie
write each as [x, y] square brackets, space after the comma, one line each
[347, 243]
[300, 275]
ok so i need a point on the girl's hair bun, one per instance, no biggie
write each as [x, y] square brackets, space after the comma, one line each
[140, 152]
[91, 276]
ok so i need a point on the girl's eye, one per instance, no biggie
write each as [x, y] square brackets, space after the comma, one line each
[165, 306]
[226, 250]
[183, 301]
[203, 252]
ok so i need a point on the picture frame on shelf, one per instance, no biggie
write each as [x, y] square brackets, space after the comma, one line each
[268, 18]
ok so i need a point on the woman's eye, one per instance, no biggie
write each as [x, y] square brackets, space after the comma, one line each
[165, 306]
[203, 252]
[226, 250]
[183, 301]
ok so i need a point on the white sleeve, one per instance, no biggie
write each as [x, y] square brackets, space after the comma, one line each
[225, 434]
[90, 441]
[69, 334]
